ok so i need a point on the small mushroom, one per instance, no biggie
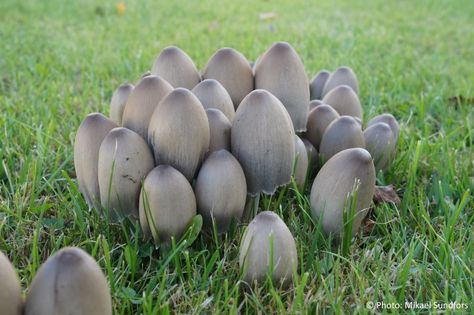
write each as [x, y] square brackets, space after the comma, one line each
[267, 234]
[314, 103]
[301, 162]
[389, 120]
[347, 176]
[380, 142]
[89, 136]
[313, 155]
[212, 94]
[262, 140]
[221, 190]
[343, 133]
[344, 100]
[342, 76]
[167, 204]
[281, 72]
[220, 128]
[11, 302]
[233, 71]
[69, 282]
[318, 120]
[124, 160]
[317, 84]
[117, 104]
[176, 67]
[142, 103]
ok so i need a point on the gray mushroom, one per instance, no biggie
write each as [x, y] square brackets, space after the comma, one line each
[267, 234]
[343, 133]
[313, 155]
[117, 104]
[142, 103]
[348, 176]
[301, 162]
[318, 120]
[69, 282]
[89, 136]
[176, 67]
[220, 128]
[314, 103]
[11, 302]
[124, 160]
[389, 120]
[380, 142]
[281, 72]
[342, 76]
[221, 190]
[262, 140]
[179, 132]
[233, 71]
[212, 94]
[344, 100]
[317, 84]
[167, 204]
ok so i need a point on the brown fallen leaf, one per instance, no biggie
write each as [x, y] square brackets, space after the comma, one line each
[267, 16]
[458, 100]
[386, 194]
[212, 26]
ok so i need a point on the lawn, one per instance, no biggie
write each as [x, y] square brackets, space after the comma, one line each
[60, 60]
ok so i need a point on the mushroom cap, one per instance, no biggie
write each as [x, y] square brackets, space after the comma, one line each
[233, 71]
[220, 128]
[142, 102]
[343, 133]
[380, 143]
[302, 162]
[281, 72]
[313, 155]
[221, 190]
[89, 136]
[167, 204]
[342, 76]
[335, 185]
[389, 120]
[69, 282]
[212, 94]
[179, 132]
[262, 140]
[124, 160]
[255, 248]
[344, 100]
[176, 67]
[317, 84]
[314, 103]
[318, 120]
[118, 102]
[11, 302]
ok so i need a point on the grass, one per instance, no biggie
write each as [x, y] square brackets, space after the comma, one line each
[62, 59]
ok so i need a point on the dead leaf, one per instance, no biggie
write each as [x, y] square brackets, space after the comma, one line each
[264, 16]
[458, 100]
[212, 26]
[386, 194]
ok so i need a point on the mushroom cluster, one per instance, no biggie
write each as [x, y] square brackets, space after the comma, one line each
[184, 142]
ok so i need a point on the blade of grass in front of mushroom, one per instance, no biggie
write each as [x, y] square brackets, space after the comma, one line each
[349, 214]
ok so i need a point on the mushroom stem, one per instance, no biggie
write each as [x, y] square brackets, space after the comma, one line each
[251, 208]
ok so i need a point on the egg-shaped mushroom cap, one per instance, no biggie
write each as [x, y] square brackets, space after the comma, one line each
[167, 204]
[220, 128]
[343, 133]
[142, 102]
[124, 160]
[314, 103]
[281, 72]
[262, 140]
[179, 132]
[265, 234]
[313, 155]
[348, 171]
[301, 162]
[389, 120]
[317, 84]
[344, 100]
[69, 282]
[221, 190]
[89, 136]
[176, 67]
[118, 102]
[233, 71]
[342, 76]
[10, 290]
[318, 120]
[212, 94]
[380, 143]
